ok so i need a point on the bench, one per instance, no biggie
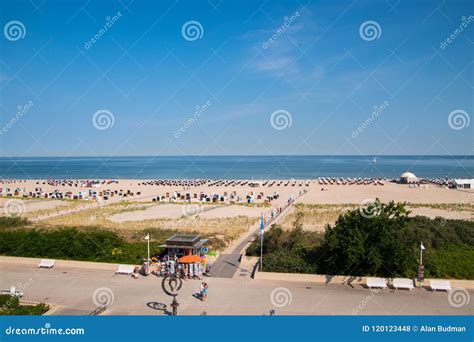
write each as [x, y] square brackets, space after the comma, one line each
[12, 291]
[46, 263]
[444, 285]
[403, 283]
[376, 282]
[125, 269]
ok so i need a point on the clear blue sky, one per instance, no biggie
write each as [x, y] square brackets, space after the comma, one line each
[319, 69]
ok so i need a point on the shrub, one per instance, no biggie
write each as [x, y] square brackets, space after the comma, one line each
[23, 310]
[8, 301]
[73, 244]
[13, 221]
[377, 245]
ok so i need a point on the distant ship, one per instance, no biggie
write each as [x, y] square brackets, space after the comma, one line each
[375, 160]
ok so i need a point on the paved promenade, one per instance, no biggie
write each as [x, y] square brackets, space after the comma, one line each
[75, 288]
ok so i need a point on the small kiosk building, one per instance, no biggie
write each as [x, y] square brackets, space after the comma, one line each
[180, 245]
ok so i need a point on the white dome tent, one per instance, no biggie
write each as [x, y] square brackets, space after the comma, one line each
[408, 178]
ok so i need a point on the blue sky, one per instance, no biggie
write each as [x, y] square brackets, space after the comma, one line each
[318, 71]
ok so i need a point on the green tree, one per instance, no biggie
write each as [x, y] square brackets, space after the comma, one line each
[375, 244]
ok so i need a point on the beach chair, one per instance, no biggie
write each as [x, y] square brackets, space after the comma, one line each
[443, 285]
[403, 283]
[125, 269]
[46, 263]
[376, 282]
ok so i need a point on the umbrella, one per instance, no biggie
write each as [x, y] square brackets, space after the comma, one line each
[189, 259]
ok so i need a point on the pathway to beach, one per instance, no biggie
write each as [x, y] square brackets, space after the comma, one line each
[229, 261]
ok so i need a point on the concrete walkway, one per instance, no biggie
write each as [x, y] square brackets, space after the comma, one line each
[73, 288]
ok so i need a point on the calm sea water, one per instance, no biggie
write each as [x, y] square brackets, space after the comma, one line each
[235, 167]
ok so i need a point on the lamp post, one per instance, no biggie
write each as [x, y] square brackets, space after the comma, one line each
[422, 248]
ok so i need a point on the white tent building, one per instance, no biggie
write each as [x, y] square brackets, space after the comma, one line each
[408, 178]
[464, 183]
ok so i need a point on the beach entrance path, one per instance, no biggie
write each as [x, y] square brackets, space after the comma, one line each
[227, 264]
[229, 261]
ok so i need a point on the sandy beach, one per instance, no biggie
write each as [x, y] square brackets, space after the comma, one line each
[333, 193]
[228, 196]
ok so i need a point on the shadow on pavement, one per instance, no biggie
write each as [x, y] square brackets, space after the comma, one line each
[156, 306]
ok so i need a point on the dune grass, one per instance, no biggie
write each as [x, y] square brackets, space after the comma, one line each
[224, 229]
[317, 216]
[444, 206]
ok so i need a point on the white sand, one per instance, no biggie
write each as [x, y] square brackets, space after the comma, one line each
[233, 211]
[159, 211]
[339, 194]
[163, 211]
[30, 205]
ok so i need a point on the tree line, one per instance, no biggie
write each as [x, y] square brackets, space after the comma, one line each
[385, 243]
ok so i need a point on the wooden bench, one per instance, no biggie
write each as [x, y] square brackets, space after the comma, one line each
[403, 283]
[443, 285]
[376, 282]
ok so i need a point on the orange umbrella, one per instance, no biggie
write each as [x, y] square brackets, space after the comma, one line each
[189, 259]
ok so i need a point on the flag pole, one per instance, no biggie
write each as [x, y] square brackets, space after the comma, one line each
[421, 268]
[147, 238]
[262, 227]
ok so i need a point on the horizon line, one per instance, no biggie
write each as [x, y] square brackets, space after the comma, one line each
[245, 155]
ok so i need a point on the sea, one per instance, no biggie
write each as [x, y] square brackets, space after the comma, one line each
[235, 167]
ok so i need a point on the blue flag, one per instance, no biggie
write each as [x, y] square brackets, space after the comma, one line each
[262, 226]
